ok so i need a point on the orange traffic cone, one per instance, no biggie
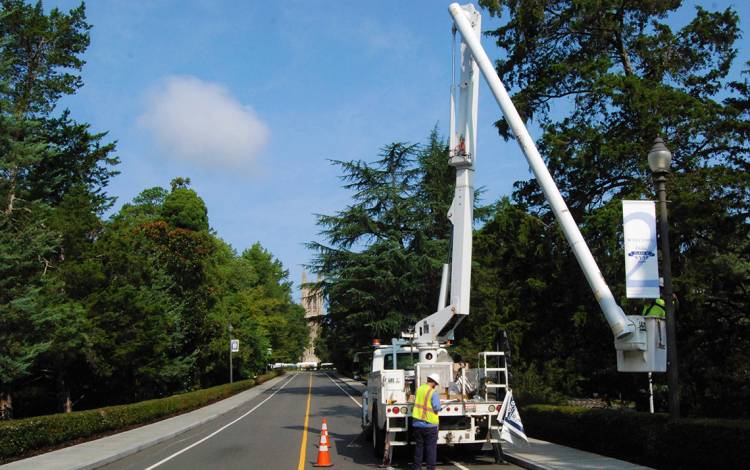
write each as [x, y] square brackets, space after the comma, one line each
[324, 458]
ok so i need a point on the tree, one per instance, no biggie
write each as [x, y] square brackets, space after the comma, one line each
[274, 310]
[183, 208]
[381, 265]
[46, 163]
[602, 79]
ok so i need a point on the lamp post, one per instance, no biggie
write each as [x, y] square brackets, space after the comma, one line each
[231, 372]
[658, 159]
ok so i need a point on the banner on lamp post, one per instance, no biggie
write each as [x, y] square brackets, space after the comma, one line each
[641, 261]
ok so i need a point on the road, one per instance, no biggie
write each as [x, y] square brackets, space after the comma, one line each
[280, 430]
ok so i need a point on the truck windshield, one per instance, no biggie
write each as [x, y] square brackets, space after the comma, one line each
[405, 361]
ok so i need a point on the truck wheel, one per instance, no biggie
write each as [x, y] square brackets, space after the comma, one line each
[378, 438]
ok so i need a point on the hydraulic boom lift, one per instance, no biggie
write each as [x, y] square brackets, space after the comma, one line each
[474, 397]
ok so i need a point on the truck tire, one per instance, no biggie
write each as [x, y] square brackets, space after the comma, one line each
[378, 438]
[367, 431]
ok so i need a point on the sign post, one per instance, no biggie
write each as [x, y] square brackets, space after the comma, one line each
[234, 346]
[230, 353]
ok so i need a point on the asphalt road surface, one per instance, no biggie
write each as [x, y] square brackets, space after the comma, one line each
[280, 430]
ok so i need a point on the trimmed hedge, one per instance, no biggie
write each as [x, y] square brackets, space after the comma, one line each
[22, 436]
[643, 438]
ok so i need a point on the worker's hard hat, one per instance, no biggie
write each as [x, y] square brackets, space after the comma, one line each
[434, 377]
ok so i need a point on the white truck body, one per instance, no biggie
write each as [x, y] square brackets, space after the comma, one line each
[389, 399]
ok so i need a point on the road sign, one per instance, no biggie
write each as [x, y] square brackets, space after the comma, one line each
[235, 345]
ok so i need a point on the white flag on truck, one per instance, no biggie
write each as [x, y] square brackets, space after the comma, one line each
[511, 420]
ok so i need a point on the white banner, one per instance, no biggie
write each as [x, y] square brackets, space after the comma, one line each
[235, 345]
[641, 261]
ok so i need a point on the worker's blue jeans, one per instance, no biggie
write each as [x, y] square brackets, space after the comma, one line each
[425, 446]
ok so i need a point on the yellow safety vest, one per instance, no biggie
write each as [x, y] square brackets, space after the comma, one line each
[423, 405]
[656, 309]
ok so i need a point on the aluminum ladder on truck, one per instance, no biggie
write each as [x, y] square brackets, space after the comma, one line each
[493, 374]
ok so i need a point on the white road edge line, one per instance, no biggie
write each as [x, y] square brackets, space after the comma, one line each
[455, 464]
[347, 393]
[458, 465]
[220, 429]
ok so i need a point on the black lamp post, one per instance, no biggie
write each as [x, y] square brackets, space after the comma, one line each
[658, 159]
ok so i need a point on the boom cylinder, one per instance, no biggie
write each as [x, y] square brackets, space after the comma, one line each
[618, 322]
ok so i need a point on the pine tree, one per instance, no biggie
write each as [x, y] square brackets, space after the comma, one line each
[44, 160]
[381, 265]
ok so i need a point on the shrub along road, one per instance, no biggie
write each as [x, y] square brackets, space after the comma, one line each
[280, 429]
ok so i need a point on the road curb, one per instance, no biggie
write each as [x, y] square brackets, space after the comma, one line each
[525, 463]
[68, 458]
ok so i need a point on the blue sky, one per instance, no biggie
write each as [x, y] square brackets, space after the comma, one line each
[250, 99]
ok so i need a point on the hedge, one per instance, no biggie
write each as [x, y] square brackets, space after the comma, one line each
[23, 436]
[643, 438]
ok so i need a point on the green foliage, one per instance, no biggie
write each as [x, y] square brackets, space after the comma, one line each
[19, 437]
[602, 79]
[52, 174]
[184, 209]
[43, 52]
[382, 264]
[97, 312]
[646, 439]
[256, 300]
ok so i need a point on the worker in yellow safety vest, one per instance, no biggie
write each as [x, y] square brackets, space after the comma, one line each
[657, 308]
[425, 422]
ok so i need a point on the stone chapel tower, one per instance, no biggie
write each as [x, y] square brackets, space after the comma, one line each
[313, 305]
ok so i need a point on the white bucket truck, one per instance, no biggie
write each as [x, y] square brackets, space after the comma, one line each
[472, 396]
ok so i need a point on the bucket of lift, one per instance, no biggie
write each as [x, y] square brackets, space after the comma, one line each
[645, 350]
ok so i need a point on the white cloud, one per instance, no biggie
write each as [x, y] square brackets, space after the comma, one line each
[201, 122]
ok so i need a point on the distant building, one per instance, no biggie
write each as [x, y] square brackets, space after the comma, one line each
[313, 305]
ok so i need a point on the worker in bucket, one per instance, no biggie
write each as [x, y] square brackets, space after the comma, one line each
[425, 422]
[657, 308]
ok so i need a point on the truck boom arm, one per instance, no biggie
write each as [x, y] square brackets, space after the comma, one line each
[462, 145]
[619, 323]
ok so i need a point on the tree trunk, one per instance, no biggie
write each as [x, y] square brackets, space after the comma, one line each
[63, 390]
[6, 405]
[11, 198]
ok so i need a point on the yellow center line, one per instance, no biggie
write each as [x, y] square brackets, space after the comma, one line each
[303, 447]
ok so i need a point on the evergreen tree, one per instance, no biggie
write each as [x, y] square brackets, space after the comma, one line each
[383, 259]
[603, 79]
[44, 160]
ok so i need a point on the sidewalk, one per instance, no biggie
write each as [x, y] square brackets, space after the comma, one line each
[102, 451]
[542, 455]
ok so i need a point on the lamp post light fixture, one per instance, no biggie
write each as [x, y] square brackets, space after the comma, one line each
[659, 159]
